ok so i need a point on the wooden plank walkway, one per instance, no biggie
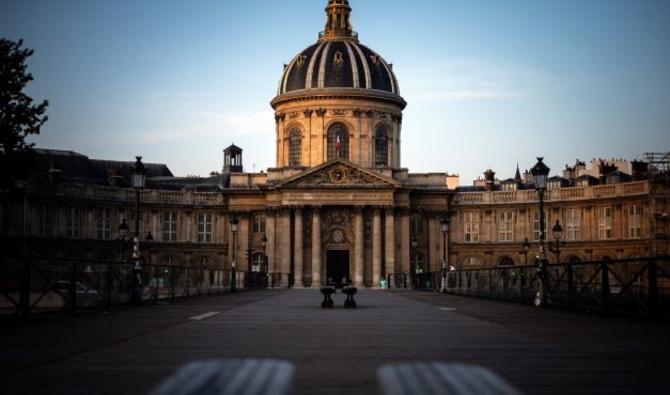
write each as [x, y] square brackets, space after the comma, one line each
[336, 350]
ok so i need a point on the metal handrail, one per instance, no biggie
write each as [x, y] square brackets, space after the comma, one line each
[42, 283]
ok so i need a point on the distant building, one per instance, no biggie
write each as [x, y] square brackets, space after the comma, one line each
[338, 204]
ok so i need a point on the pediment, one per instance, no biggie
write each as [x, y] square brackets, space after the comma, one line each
[338, 173]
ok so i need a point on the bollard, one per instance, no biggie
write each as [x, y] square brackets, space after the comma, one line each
[327, 301]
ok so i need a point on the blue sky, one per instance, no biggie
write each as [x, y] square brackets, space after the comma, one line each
[488, 82]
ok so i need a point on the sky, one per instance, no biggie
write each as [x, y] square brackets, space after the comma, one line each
[488, 83]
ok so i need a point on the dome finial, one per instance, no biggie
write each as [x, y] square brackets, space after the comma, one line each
[338, 22]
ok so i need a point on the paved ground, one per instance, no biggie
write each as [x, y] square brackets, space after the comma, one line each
[336, 351]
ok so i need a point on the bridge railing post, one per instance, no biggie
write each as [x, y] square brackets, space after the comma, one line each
[73, 287]
[24, 294]
[653, 287]
[605, 284]
[571, 285]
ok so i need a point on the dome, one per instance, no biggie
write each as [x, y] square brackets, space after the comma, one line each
[338, 63]
[338, 60]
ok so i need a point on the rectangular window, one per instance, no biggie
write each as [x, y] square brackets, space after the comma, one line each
[103, 220]
[259, 224]
[205, 227]
[471, 226]
[169, 220]
[416, 225]
[605, 223]
[536, 225]
[45, 220]
[634, 221]
[73, 218]
[506, 226]
[573, 224]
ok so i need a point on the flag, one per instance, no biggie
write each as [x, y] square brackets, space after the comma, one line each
[337, 145]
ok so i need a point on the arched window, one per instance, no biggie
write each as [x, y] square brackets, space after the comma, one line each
[506, 261]
[294, 141]
[381, 147]
[472, 261]
[338, 141]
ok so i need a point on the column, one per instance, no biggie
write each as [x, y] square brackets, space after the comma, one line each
[316, 247]
[298, 253]
[390, 242]
[270, 227]
[405, 259]
[358, 249]
[376, 248]
[243, 244]
[284, 248]
[433, 243]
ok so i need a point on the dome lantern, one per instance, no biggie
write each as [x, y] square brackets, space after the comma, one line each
[338, 22]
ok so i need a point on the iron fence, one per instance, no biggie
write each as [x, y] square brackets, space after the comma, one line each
[39, 284]
[636, 285]
[426, 281]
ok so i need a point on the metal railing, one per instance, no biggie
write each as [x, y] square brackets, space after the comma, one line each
[39, 284]
[632, 286]
[427, 281]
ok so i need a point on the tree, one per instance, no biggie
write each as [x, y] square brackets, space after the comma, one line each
[19, 116]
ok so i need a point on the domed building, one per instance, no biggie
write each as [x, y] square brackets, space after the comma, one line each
[338, 99]
[338, 206]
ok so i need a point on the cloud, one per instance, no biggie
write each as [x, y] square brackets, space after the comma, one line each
[463, 79]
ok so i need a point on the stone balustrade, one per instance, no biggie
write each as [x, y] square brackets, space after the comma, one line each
[121, 195]
[558, 194]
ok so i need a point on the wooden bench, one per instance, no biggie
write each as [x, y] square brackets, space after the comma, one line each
[327, 300]
[438, 378]
[229, 377]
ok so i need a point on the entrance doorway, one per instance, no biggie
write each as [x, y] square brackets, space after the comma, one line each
[337, 268]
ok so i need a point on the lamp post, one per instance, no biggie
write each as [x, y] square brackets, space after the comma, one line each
[557, 232]
[415, 244]
[540, 172]
[137, 181]
[525, 248]
[444, 222]
[233, 229]
[264, 265]
[123, 234]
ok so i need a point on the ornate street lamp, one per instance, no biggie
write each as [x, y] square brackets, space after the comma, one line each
[123, 234]
[557, 232]
[233, 229]
[444, 222]
[540, 172]
[264, 266]
[525, 248]
[137, 181]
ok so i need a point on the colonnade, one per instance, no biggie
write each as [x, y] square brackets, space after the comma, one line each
[286, 245]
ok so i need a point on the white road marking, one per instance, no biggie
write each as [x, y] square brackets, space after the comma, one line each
[205, 316]
[447, 308]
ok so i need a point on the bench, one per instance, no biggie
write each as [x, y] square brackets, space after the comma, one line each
[229, 377]
[350, 303]
[327, 300]
[438, 378]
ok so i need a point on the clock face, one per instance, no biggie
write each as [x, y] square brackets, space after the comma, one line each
[338, 236]
[337, 176]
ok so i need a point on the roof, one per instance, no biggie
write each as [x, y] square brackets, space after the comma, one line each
[341, 63]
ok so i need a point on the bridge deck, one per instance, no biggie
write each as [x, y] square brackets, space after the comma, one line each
[131, 349]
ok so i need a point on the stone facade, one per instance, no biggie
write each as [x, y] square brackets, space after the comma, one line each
[337, 205]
